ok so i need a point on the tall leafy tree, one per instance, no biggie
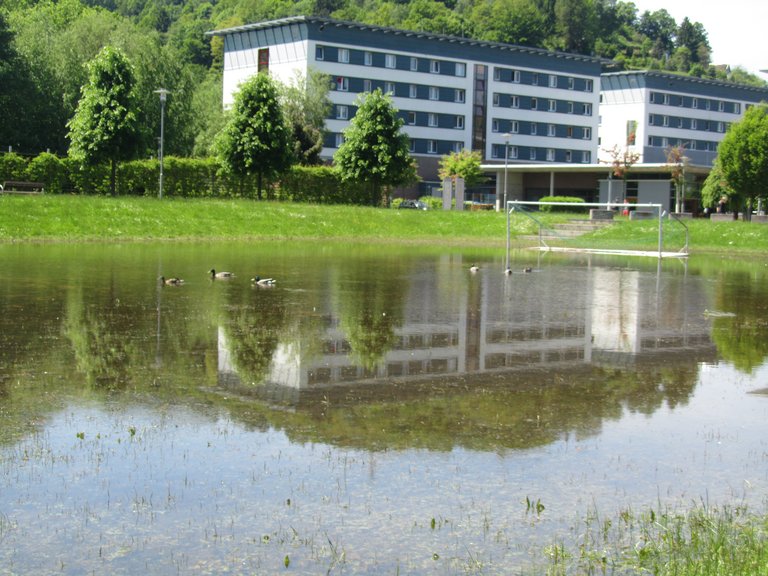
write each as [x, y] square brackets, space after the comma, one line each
[103, 128]
[743, 157]
[575, 25]
[375, 150]
[715, 186]
[464, 164]
[306, 104]
[256, 138]
[17, 93]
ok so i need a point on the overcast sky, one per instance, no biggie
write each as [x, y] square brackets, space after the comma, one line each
[736, 28]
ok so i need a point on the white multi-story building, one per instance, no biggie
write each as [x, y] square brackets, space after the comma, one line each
[650, 112]
[555, 115]
[452, 93]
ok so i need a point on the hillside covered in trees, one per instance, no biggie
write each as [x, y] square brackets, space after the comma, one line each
[45, 44]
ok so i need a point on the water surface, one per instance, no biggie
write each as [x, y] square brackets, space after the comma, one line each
[378, 411]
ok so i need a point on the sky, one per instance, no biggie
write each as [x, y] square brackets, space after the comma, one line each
[736, 28]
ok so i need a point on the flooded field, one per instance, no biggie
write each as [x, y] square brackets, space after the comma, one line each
[376, 411]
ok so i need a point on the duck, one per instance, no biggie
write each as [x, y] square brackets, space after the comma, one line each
[258, 280]
[171, 281]
[474, 268]
[220, 275]
[527, 269]
[508, 272]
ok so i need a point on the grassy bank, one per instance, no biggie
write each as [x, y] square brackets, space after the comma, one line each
[78, 218]
[81, 218]
[701, 541]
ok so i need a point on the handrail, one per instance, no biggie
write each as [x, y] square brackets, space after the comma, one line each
[684, 249]
[519, 205]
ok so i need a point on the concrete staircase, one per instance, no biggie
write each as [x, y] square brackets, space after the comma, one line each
[571, 229]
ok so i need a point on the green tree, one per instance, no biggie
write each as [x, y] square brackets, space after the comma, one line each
[256, 138]
[306, 104]
[103, 128]
[464, 164]
[677, 162]
[513, 21]
[743, 157]
[17, 93]
[375, 150]
[715, 186]
[660, 27]
[575, 26]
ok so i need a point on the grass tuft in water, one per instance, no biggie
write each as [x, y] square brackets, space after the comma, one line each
[702, 541]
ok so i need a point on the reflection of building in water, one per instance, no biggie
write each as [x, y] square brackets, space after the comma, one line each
[551, 318]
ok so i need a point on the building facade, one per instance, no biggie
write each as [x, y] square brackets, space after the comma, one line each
[650, 112]
[525, 109]
[452, 93]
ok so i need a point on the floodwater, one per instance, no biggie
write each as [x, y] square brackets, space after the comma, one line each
[378, 411]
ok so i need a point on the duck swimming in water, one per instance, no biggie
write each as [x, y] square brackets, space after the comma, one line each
[220, 275]
[170, 281]
[258, 280]
[474, 268]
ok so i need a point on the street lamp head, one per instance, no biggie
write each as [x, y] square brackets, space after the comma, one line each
[163, 93]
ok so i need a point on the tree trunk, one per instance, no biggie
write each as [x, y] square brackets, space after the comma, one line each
[258, 186]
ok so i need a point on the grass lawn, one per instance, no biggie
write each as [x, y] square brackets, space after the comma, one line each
[92, 218]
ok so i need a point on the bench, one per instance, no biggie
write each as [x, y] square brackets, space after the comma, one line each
[21, 187]
[642, 215]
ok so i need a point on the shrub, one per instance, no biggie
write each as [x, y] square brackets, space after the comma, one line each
[434, 203]
[12, 167]
[52, 171]
[319, 185]
[570, 199]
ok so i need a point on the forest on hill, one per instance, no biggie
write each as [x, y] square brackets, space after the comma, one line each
[45, 44]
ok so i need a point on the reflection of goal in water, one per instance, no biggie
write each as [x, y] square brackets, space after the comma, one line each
[599, 211]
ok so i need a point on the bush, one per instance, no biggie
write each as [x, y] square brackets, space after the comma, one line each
[570, 199]
[319, 185]
[434, 203]
[12, 167]
[52, 171]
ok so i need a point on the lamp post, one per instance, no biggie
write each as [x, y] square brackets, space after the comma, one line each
[506, 210]
[163, 96]
[506, 163]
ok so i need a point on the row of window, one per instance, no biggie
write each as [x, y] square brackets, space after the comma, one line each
[457, 122]
[546, 154]
[442, 147]
[539, 129]
[695, 102]
[541, 79]
[541, 104]
[687, 123]
[699, 145]
[388, 60]
[400, 89]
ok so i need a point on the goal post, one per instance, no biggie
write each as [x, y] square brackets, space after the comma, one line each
[598, 211]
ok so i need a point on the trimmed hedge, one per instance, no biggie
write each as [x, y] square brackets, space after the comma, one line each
[182, 177]
[570, 199]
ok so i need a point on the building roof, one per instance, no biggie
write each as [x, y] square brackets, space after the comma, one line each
[650, 168]
[666, 79]
[323, 23]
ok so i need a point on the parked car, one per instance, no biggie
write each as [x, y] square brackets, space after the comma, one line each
[413, 205]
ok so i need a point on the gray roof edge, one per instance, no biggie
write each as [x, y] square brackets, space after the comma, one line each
[389, 30]
[684, 78]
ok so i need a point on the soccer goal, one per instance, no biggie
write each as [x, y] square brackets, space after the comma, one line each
[599, 212]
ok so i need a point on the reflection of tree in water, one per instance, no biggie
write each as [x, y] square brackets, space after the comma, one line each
[370, 313]
[101, 339]
[517, 410]
[253, 333]
[742, 339]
